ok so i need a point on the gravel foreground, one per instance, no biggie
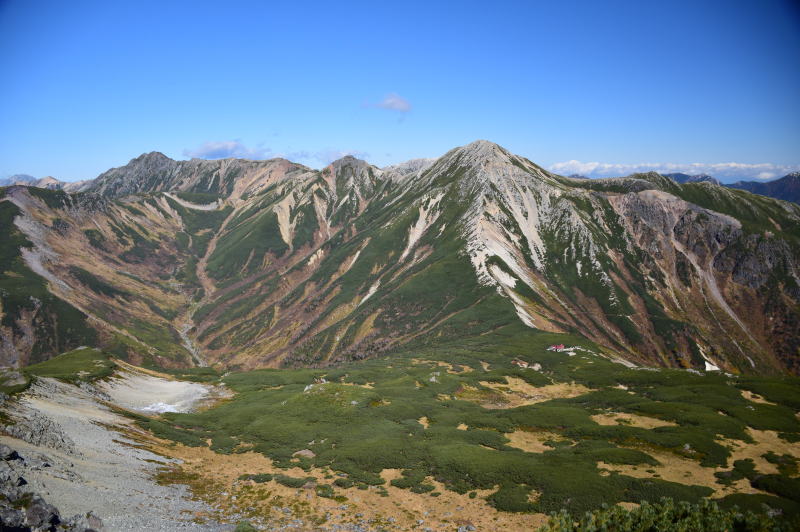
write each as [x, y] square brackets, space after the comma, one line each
[69, 455]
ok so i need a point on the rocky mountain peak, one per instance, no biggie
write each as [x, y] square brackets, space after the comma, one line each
[351, 162]
[481, 152]
[153, 156]
[353, 177]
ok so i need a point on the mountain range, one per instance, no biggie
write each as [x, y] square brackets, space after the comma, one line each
[245, 264]
[686, 178]
[30, 181]
[786, 188]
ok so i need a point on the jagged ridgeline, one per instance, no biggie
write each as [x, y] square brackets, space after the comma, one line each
[262, 263]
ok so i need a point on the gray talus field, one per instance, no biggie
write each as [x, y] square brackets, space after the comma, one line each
[89, 459]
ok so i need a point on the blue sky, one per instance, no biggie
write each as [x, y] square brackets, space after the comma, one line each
[593, 87]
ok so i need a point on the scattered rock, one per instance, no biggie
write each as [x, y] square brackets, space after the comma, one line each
[24, 510]
[305, 453]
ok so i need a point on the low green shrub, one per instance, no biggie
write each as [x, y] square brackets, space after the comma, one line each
[667, 516]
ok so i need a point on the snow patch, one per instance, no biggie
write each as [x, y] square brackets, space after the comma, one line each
[709, 365]
[159, 408]
[146, 393]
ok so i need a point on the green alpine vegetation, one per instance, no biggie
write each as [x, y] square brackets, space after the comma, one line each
[464, 415]
[667, 516]
[82, 364]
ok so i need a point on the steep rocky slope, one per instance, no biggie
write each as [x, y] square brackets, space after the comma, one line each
[260, 263]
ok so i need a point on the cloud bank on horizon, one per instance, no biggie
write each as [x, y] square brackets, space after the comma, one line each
[727, 172]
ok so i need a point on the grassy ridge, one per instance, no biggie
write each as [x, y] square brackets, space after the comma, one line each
[82, 364]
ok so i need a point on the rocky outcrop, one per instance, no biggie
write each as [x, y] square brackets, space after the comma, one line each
[23, 510]
[39, 430]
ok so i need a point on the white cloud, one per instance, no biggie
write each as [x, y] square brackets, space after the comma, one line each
[394, 102]
[723, 171]
[227, 148]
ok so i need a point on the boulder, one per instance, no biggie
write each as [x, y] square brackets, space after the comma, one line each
[305, 453]
[41, 515]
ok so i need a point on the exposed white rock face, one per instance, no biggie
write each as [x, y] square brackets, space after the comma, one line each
[353, 181]
[371, 292]
[428, 214]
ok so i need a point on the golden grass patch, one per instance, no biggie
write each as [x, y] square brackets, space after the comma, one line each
[453, 370]
[765, 441]
[518, 392]
[532, 442]
[634, 420]
[214, 479]
[675, 468]
[754, 397]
